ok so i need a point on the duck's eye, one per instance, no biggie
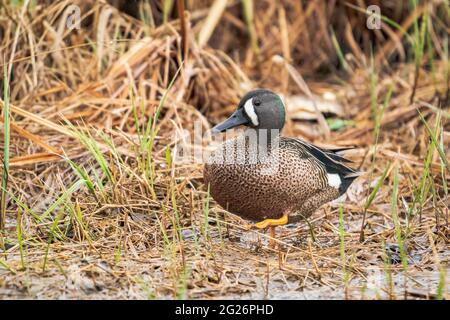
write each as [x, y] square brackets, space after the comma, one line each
[256, 102]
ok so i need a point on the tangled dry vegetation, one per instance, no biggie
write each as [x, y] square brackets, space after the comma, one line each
[94, 207]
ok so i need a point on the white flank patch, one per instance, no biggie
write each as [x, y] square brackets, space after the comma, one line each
[334, 180]
[250, 111]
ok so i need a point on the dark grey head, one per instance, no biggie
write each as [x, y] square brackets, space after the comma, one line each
[259, 109]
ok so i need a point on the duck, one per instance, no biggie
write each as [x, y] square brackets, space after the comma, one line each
[267, 178]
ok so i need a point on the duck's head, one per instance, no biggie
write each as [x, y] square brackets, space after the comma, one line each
[258, 109]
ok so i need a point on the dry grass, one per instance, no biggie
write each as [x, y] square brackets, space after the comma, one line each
[95, 208]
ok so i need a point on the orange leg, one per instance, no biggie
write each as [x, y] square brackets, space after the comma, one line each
[271, 224]
[272, 237]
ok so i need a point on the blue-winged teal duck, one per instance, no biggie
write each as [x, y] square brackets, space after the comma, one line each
[269, 179]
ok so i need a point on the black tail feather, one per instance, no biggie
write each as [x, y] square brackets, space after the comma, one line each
[333, 162]
[346, 181]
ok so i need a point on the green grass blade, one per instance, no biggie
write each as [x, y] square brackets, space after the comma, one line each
[376, 188]
[20, 237]
[441, 152]
[339, 52]
[248, 15]
[6, 142]
[167, 8]
[62, 198]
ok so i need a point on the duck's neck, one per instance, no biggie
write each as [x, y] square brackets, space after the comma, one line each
[264, 137]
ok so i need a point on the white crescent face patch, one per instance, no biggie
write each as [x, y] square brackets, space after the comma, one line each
[250, 111]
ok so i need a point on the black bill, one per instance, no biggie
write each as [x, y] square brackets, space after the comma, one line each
[237, 118]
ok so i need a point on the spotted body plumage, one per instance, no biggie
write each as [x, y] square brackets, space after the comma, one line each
[288, 180]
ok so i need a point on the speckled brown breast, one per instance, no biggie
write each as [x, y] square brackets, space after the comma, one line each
[286, 180]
